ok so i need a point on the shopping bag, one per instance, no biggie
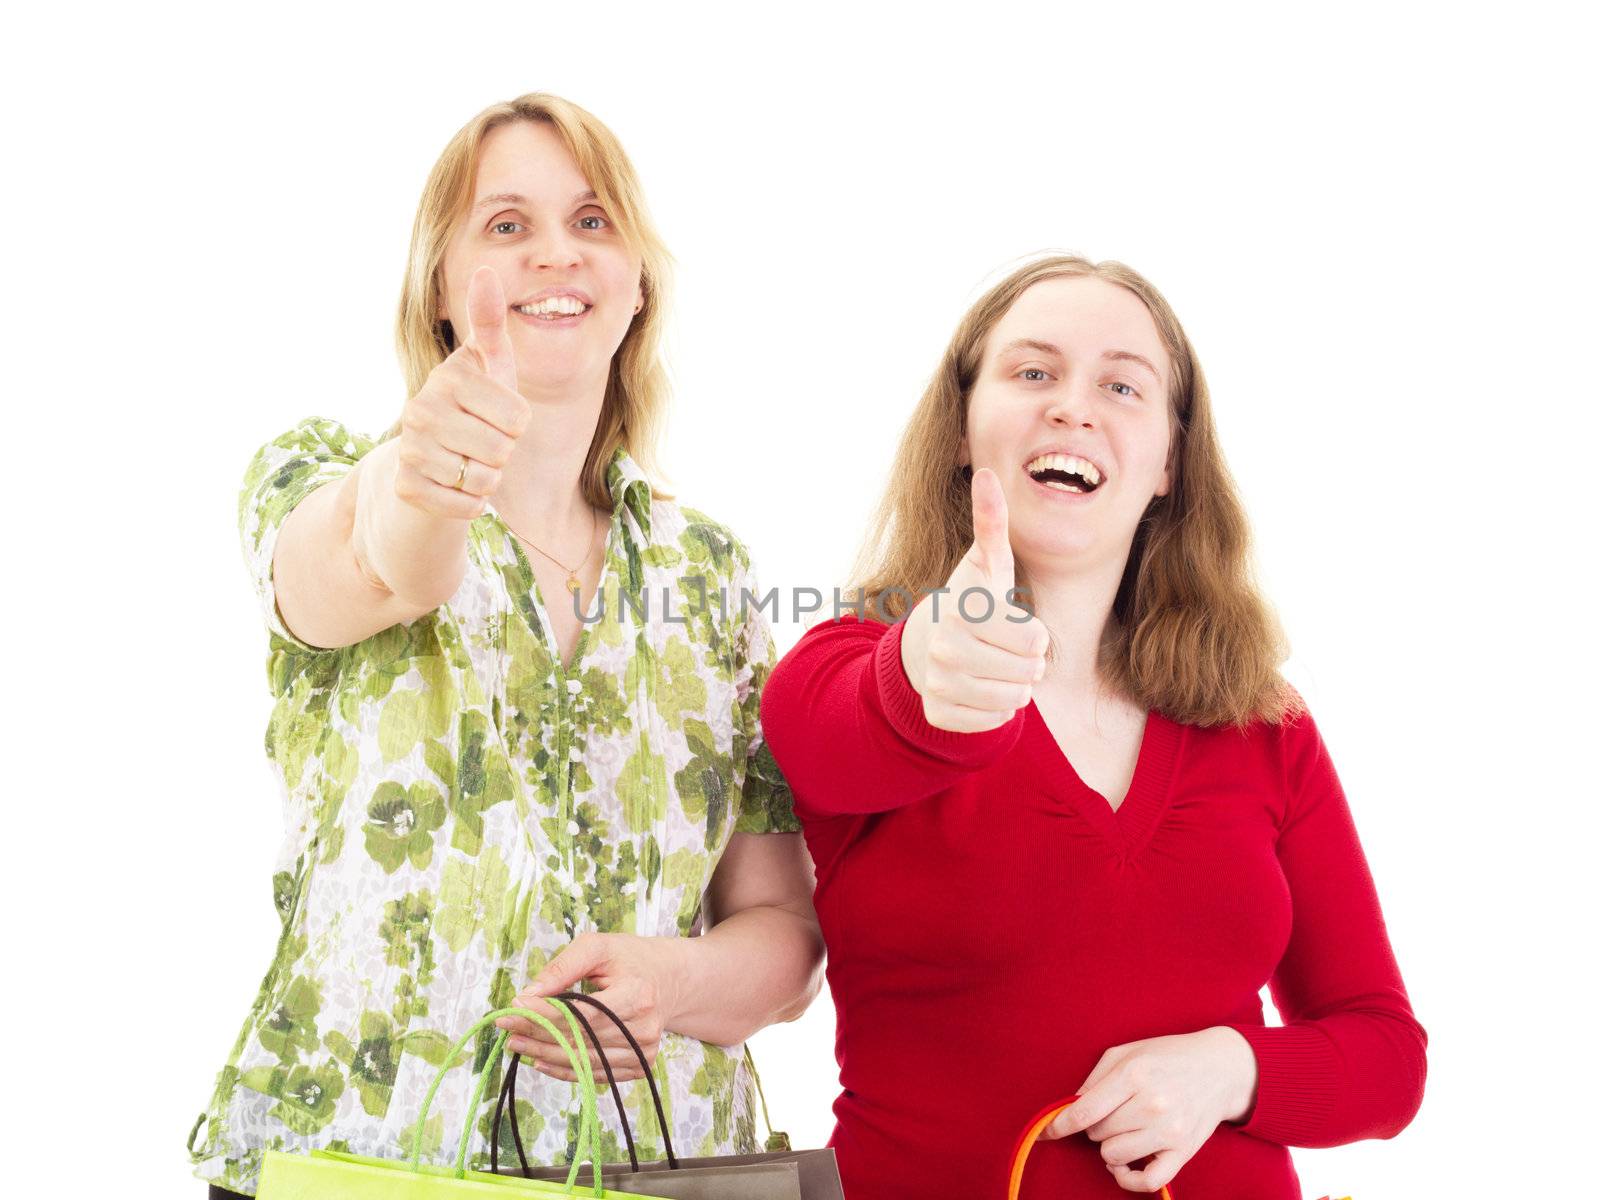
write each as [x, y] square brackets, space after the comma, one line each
[323, 1174]
[773, 1175]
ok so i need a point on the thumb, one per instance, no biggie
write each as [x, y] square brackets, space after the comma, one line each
[1070, 1120]
[577, 962]
[486, 326]
[1057, 1126]
[991, 530]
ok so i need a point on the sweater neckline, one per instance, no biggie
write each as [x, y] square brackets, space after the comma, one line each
[1129, 826]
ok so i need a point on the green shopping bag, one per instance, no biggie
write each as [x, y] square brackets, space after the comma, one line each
[322, 1174]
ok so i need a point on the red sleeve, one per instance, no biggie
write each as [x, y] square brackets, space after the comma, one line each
[1350, 1060]
[847, 729]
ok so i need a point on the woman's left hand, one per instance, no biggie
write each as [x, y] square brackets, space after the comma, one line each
[1161, 1099]
[636, 981]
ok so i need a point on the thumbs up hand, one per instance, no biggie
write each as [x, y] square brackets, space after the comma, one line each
[974, 672]
[468, 410]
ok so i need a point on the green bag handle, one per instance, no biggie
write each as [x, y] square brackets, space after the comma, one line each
[508, 1089]
[777, 1140]
[587, 1130]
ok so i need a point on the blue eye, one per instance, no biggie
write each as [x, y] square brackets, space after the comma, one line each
[1130, 392]
[1042, 375]
[499, 225]
[602, 221]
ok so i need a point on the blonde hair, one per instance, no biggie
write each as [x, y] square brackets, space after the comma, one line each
[1189, 634]
[633, 412]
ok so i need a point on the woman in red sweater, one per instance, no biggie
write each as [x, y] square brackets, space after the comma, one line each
[1067, 817]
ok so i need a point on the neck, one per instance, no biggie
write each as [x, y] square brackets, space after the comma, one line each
[541, 486]
[1075, 606]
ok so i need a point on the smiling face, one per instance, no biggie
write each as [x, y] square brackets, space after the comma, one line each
[570, 281]
[1069, 408]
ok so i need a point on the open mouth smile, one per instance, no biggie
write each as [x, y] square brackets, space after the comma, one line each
[1065, 473]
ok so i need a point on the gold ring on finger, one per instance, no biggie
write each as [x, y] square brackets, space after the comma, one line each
[461, 475]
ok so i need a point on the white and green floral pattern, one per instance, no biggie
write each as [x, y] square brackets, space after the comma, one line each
[458, 807]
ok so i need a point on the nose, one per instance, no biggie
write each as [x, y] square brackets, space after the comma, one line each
[552, 249]
[1071, 404]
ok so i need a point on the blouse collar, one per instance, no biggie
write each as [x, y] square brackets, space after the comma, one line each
[630, 490]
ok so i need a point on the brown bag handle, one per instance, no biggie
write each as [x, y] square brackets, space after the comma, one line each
[508, 1090]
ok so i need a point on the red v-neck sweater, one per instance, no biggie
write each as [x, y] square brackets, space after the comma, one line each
[993, 927]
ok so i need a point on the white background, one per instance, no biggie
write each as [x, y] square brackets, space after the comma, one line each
[1378, 231]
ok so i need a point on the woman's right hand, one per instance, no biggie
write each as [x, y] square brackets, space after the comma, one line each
[469, 407]
[974, 674]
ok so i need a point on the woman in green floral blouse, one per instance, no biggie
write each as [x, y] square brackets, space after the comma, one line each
[489, 798]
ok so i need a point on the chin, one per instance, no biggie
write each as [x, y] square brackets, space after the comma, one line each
[553, 371]
[1055, 552]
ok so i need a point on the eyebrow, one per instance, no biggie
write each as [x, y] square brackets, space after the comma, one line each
[514, 198]
[1050, 348]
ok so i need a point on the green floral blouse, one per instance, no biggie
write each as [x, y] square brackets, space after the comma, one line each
[458, 807]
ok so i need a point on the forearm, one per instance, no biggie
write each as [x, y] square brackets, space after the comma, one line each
[760, 966]
[848, 730]
[1336, 1080]
[418, 556]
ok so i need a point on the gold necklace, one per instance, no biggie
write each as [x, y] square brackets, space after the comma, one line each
[574, 585]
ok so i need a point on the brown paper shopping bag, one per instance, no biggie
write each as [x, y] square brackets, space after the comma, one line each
[773, 1175]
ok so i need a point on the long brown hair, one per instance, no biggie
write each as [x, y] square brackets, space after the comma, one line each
[633, 412]
[1189, 633]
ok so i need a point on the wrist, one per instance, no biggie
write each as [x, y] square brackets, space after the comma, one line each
[363, 488]
[676, 958]
[1242, 1073]
[913, 645]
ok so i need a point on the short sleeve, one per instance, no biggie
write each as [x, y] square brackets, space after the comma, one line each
[280, 475]
[766, 805]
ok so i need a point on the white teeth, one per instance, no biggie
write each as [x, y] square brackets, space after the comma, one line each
[1065, 462]
[1062, 487]
[564, 305]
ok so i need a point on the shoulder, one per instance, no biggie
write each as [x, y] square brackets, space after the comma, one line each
[847, 626]
[1269, 743]
[314, 448]
[704, 542]
[316, 439]
[1293, 733]
[1302, 751]
[1284, 754]
[834, 642]
[1292, 721]
[699, 528]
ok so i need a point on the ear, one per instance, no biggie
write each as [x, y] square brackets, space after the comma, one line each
[1165, 485]
[638, 299]
[963, 454]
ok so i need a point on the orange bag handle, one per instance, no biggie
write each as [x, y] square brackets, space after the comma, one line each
[1019, 1156]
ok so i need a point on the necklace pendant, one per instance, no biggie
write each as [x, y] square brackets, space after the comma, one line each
[573, 585]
